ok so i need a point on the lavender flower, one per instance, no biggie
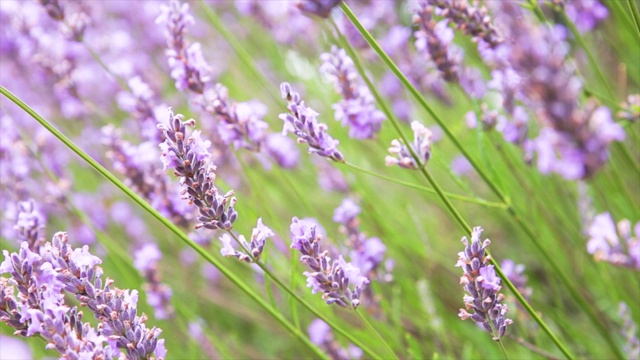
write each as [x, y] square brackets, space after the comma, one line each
[585, 14]
[339, 281]
[320, 8]
[629, 331]
[303, 122]
[630, 109]
[259, 236]
[39, 307]
[357, 108]
[75, 24]
[320, 334]
[605, 244]
[190, 159]
[330, 178]
[239, 124]
[434, 40]
[145, 259]
[472, 20]
[282, 150]
[421, 146]
[188, 67]
[30, 226]
[482, 284]
[515, 274]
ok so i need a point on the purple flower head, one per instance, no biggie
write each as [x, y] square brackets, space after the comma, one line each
[586, 14]
[357, 110]
[282, 150]
[30, 225]
[473, 20]
[482, 285]
[191, 160]
[616, 245]
[320, 334]
[339, 281]
[321, 8]
[421, 146]
[346, 212]
[146, 257]
[188, 67]
[259, 236]
[303, 122]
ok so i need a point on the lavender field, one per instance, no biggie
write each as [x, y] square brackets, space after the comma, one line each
[320, 179]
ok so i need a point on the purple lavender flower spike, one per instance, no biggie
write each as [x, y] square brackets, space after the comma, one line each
[482, 284]
[474, 21]
[190, 159]
[282, 150]
[321, 8]
[30, 225]
[158, 293]
[629, 331]
[320, 334]
[619, 246]
[303, 122]
[340, 282]
[435, 41]
[421, 146]
[188, 67]
[357, 109]
[586, 14]
[259, 237]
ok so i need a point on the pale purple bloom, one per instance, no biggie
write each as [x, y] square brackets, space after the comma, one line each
[629, 331]
[282, 150]
[329, 177]
[617, 245]
[346, 212]
[586, 14]
[320, 8]
[473, 20]
[461, 166]
[146, 256]
[515, 274]
[303, 122]
[251, 250]
[357, 108]
[421, 146]
[339, 281]
[320, 334]
[14, 348]
[191, 161]
[630, 109]
[482, 285]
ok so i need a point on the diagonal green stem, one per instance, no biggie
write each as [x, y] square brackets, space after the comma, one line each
[426, 189]
[634, 14]
[377, 334]
[173, 228]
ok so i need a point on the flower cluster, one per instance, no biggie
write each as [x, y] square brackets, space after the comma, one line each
[421, 147]
[189, 158]
[303, 122]
[339, 281]
[320, 334]
[239, 124]
[435, 40]
[482, 284]
[320, 8]
[75, 24]
[629, 331]
[515, 273]
[259, 236]
[474, 21]
[188, 67]
[30, 225]
[586, 14]
[145, 259]
[357, 109]
[39, 308]
[621, 247]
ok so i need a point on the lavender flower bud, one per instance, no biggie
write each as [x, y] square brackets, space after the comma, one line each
[158, 293]
[190, 159]
[320, 8]
[320, 334]
[303, 122]
[421, 146]
[474, 21]
[482, 284]
[30, 226]
[605, 244]
[339, 281]
[188, 67]
[259, 236]
[585, 14]
[357, 110]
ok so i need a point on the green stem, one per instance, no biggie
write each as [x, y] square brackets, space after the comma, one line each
[426, 189]
[377, 334]
[407, 84]
[173, 228]
[634, 14]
